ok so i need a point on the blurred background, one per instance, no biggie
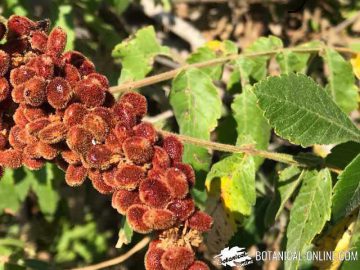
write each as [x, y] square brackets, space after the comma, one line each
[44, 223]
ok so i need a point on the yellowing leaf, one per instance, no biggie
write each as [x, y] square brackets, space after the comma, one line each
[215, 45]
[337, 240]
[355, 62]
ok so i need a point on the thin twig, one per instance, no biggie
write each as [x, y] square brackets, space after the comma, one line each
[172, 73]
[139, 246]
[247, 149]
[160, 117]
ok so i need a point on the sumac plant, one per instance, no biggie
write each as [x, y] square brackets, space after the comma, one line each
[56, 108]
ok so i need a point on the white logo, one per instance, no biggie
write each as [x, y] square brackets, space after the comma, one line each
[228, 257]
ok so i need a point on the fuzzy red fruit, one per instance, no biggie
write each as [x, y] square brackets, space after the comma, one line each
[99, 79]
[77, 59]
[109, 177]
[11, 158]
[113, 143]
[177, 258]
[125, 115]
[87, 67]
[99, 157]
[122, 133]
[56, 42]
[16, 138]
[182, 209]
[90, 93]
[20, 75]
[34, 91]
[3, 142]
[138, 149]
[74, 114]
[79, 140]
[31, 151]
[154, 193]
[173, 147]
[160, 160]
[47, 151]
[53, 133]
[135, 215]
[33, 113]
[146, 130]
[75, 175]
[71, 157]
[177, 183]
[19, 26]
[123, 199]
[200, 221]
[38, 41]
[98, 182]
[42, 65]
[129, 176]
[58, 93]
[136, 101]
[153, 258]
[4, 63]
[155, 173]
[17, 94]
[19, 117]
[33, 128]
[187, 170]
[97, 126]
[4, 89]
[159, 219]
[33, 164]
[106, 114]
[71, 75]
[199, 265]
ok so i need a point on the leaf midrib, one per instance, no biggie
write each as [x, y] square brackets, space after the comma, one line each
[314, 113]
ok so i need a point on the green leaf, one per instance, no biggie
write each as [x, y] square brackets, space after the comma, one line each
[250, 122]
[137, 54]
[212, 50]
[286, 184]
[310, 211]
[347, 190]
[48, 197]
[258, 64]
[8, 195]
[197, 107]
[65, 21]
[341, 155]
[125, 233]
[120, 5]
[236, 174]
[290, 61]
[341, 84]
[302, 112]
[23, 180]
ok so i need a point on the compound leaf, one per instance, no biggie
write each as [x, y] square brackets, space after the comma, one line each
[302, 112]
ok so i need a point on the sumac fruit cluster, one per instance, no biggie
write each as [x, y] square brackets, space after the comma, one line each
[55, 107]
